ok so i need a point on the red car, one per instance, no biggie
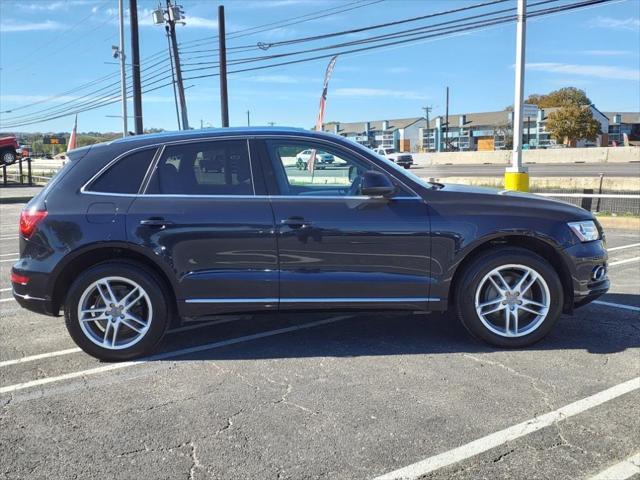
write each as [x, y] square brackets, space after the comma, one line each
[8, 146]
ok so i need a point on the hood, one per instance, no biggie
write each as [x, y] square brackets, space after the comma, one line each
[512, 199]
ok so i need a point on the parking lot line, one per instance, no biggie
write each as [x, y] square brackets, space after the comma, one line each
[69, 351]
[164, 356]
[7, 300]
[9, 254]
[509, 434]
[623, 247]
[621, 471]
[10, 260]
[617, 305]
[39, 356]
[6, 289]
[622, 262]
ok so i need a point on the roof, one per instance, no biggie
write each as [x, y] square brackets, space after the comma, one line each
[627, 117]
[207, 132]
[375, 125]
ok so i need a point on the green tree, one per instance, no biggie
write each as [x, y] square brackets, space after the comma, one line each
[560, 98]
[572, 123]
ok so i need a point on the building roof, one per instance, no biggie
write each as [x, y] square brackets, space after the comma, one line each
[627, 117]
[375, 125]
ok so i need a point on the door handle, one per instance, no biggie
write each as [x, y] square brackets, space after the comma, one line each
[155, 222]
[296, 222]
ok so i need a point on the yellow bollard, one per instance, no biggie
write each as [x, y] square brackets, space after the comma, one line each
[516, 181]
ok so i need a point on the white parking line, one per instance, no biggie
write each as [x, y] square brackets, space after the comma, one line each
[7, 300]
[167, 355]
[9, 254]
[623, 247]
[510, 434]
[69, 351]
[10, 260]
[6, 289]
[617, 305]
[622, 262]
[621, 471]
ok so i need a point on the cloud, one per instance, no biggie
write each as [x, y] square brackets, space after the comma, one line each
[607, 53]
[21, 26]
[379, 93]
[598, 71]
[48, 6]
[397, 70]
[632, 24]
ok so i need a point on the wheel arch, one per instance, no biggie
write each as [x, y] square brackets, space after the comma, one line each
[542, 247]
[91, 255]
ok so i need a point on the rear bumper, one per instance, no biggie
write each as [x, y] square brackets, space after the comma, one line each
[35, 304]
[35, 296]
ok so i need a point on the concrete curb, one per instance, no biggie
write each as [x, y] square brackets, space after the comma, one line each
[623, 223]
[7, 200]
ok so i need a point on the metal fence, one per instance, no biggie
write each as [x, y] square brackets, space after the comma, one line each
[603, 201]
[19, 173]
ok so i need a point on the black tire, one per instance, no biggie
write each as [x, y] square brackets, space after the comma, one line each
[139, 274]
[471, 278]
[8, 157]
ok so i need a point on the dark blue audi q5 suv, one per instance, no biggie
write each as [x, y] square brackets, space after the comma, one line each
[134, 233]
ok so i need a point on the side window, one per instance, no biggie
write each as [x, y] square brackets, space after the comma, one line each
[126, 175]
[207, 168]
[301, 170]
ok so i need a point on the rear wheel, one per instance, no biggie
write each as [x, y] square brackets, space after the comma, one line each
[116, 311]
[509, 297]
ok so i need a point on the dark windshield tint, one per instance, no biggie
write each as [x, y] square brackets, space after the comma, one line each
[126, 175]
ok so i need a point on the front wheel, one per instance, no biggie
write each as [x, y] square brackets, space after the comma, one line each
[509, 297]
[116, 311]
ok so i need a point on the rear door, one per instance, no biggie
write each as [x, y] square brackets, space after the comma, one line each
[205, 215]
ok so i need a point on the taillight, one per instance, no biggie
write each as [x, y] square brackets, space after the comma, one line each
[29, 220]
[19, 279]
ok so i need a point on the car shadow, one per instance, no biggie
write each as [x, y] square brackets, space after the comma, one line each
[594, 328]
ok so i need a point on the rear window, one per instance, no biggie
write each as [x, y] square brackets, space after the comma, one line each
[126, 175]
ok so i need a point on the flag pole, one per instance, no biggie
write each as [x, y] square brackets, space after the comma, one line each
[320, 119]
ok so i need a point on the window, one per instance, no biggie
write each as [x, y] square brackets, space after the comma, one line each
[335, 172]
[126, 175]
[208, 168]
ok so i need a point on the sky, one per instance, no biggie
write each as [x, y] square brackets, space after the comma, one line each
[53, 47]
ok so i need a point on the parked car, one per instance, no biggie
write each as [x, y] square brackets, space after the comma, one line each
[323, 159]
[9, 147]
[132, 234]
[403, 159]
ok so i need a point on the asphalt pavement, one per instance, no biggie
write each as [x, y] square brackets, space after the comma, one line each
[310, 396]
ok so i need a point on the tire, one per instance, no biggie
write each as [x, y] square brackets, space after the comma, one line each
[529, 322]
[137, 331]
[8, 157]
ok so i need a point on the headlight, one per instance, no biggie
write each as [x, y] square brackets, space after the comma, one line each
[586, 230]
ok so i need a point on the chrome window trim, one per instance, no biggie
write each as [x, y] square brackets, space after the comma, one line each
[84, 188]
[154, 166]
[246, 137]
[245, 197]
[313, 300]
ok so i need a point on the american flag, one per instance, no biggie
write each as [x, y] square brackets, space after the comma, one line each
[323, 99]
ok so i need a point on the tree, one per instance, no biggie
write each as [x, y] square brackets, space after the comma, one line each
[504, 131]
[560, 98]
[571, 123]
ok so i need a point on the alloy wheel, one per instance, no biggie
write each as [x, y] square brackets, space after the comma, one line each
[115, 313]
[512, 300]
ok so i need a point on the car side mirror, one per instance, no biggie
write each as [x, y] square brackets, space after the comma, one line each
[376, 184]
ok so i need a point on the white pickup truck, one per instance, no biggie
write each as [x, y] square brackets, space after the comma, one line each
[403, 159]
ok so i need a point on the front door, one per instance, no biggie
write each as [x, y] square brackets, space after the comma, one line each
[336, 247]
[201, 216]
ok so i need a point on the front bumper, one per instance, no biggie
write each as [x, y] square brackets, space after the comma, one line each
[586, 258]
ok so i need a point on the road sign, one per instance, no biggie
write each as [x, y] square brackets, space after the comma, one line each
[53, 140]
[529, 110]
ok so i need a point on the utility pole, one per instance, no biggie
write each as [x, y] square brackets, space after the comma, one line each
[172, 15]
[446, 124]
[516, 176]
[427, 110]
[248, 118]
[135, 60]
[222, 52]
[173, 77]
[123, 71]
